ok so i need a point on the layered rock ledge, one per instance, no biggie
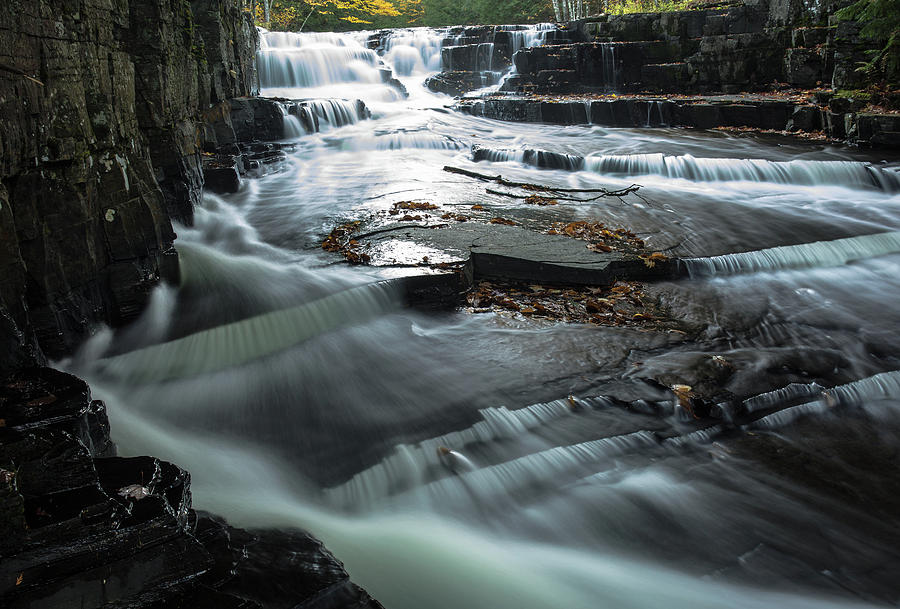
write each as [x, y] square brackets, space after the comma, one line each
[80, 526]
[792, 113]
[776, 65]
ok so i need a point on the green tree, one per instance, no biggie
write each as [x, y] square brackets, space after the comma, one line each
[881, 24]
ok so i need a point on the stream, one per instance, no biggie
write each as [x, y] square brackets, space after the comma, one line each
[300, 392]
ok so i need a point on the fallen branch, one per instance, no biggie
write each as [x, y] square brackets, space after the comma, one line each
[604, 192]
[390, 229]
[20, 73]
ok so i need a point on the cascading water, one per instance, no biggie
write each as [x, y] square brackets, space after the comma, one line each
[806, 173]
[414, 51]
[609, 54]
[523, 37]
[300, 61]
[822, 253]
[439, 456]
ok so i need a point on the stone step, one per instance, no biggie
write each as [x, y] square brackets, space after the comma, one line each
[461, 82]
[699, 112]
[475, 57]
[516, 254]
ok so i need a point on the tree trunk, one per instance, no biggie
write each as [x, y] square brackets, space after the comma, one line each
[556, 10]
[267, 13]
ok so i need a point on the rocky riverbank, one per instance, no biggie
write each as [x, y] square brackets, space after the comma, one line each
[747, 65]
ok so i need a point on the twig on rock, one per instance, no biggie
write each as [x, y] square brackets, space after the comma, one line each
[20, 73]
[604, 192]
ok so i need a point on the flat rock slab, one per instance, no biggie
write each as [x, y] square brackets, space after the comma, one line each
[513, 253]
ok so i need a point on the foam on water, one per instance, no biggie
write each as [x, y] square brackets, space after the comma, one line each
[850, 174]
[805, 255]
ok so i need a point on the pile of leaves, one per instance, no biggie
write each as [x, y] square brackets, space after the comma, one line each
[504, 221]
[412, 206]
[341, 241]
[396, 208]
[602, 238]
[539, 200]
[454, 216]
[623, 304]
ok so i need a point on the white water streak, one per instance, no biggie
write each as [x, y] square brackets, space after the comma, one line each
[850, 174]
[805, 255]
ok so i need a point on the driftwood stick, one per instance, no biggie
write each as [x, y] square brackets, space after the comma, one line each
[20, 73]
[539, 187]
[491, 191]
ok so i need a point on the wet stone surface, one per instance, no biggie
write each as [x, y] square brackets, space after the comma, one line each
[81, 527]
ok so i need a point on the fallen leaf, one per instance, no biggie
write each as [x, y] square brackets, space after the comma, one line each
[599, 247]
[651, 259]
[502, 221]
[20, 579]
[415, 205]
[42, 401]
[134, 491]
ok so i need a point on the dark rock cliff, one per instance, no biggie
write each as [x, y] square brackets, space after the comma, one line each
[100, 135]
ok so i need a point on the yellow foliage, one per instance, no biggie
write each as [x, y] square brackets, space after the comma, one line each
[290, 14]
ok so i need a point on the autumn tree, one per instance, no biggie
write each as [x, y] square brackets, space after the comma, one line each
[295, 15]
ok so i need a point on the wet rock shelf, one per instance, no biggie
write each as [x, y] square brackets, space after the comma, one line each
[83, 527]
[754, 111]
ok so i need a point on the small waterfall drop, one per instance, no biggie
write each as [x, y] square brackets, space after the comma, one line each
[287, 60]
[850, 174]
[805, 255]
[609, 56]
[414, 51]
[537, 158]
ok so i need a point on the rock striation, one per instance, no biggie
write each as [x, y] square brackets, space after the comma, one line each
[101, 109]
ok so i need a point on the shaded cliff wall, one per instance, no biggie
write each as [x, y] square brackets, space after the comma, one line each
[99, 150]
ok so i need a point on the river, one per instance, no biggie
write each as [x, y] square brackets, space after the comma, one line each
[300, 393]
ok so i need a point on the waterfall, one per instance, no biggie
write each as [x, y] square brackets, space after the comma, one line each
[536, 158]
[250, 339]
[779, 397]
[317, 114]
[289, 60]
[410, 465]
[421, 140]
[485, 57]
[806, 255]
[493, 482]
[414, 51]
[610, 59]
[314, 65]
[853, 395]
[523, 37]
[850, 174]
[806, 173]
[293, 126]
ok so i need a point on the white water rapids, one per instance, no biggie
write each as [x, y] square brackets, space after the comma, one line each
[300, 393]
